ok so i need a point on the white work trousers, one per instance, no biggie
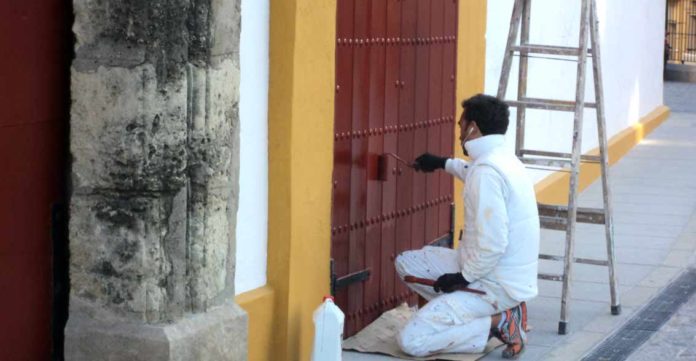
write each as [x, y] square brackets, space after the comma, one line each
[457, 322]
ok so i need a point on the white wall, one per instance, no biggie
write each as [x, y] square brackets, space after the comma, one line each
[252, 215]
[632, 39]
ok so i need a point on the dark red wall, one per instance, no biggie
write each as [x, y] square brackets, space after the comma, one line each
[35, 50]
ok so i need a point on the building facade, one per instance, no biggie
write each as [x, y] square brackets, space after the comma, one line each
[207, 153]
[681, 31]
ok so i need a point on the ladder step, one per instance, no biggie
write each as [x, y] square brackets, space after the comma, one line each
[595, 262]
[547, 104]
[543, 153]
[548, 277]
[555, 223]
[548, 49]
[547, 162]
[556, 217]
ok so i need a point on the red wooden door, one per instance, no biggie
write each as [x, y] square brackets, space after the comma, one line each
[395, 93]
[35, 49]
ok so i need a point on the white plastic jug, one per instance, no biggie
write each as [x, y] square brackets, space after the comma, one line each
[328, 331]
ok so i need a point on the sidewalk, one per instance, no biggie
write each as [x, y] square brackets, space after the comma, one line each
[655, 235]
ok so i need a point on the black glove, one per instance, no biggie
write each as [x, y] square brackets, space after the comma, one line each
[450, 282]
[427, 162]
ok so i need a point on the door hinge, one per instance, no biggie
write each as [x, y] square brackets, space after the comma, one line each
[343, 281]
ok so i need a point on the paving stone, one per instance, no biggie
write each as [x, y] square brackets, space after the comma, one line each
[660, 276]
[685, 242]
[677, 258]
[606, 323]
[544, 314]
[637, 296]
[576, 347]
[531, 353]
[544, 333]
[691, 226]
[640, 256]
[679, 96]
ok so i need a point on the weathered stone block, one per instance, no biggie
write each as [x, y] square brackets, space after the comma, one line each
[164, 33]
[219, 334]
[227, 24]
[209, 251]
[128, 254]
[126, 133]
[155, 146]
[214, 125]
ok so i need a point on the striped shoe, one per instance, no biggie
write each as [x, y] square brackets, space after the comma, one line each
[512, 332]
[523, 307]
[496, 333]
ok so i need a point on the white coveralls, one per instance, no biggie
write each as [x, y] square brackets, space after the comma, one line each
[498, 254]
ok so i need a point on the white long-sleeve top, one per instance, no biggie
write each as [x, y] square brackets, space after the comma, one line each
[501, 231]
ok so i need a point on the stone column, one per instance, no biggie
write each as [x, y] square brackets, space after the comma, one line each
[155, 146]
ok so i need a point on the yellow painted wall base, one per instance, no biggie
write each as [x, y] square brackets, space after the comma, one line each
[554, 188]
[258, 304]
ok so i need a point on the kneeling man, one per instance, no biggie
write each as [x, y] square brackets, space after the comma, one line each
[498, 252]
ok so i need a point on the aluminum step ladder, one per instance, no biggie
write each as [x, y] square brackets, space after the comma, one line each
[553, 216]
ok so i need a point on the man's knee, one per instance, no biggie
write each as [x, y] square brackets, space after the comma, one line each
[412, 340]
[400, 264]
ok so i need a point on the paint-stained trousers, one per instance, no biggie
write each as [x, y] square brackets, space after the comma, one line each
[457, 322]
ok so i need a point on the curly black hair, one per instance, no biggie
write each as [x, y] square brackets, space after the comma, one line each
[492, 115]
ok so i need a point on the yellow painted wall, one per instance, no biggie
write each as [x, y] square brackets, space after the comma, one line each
[302, 38]
[258, 305]
[471, 71]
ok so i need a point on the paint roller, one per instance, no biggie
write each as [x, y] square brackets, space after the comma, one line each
[429, 282]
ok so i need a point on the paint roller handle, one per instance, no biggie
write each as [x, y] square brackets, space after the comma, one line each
[400, 160]
[429, 282]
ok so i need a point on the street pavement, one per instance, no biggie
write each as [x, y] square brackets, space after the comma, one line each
[654, 189]
[676, 340]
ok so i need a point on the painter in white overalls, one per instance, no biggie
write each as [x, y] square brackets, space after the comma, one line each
[500, 245]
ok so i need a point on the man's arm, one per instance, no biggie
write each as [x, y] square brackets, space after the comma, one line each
[482, 249]
[457, 167]
[427, 162]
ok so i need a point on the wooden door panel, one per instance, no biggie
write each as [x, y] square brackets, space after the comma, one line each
[392, 94]
[358, 182]
[434, 112]
[388, 277]
[420, 192]
[405, 138]
[448, 110]
[375, 187]
[342, 142]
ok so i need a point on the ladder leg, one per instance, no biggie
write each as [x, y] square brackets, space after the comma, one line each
[507, 58]
[522, 82]
[577, 150]
[604, 159]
